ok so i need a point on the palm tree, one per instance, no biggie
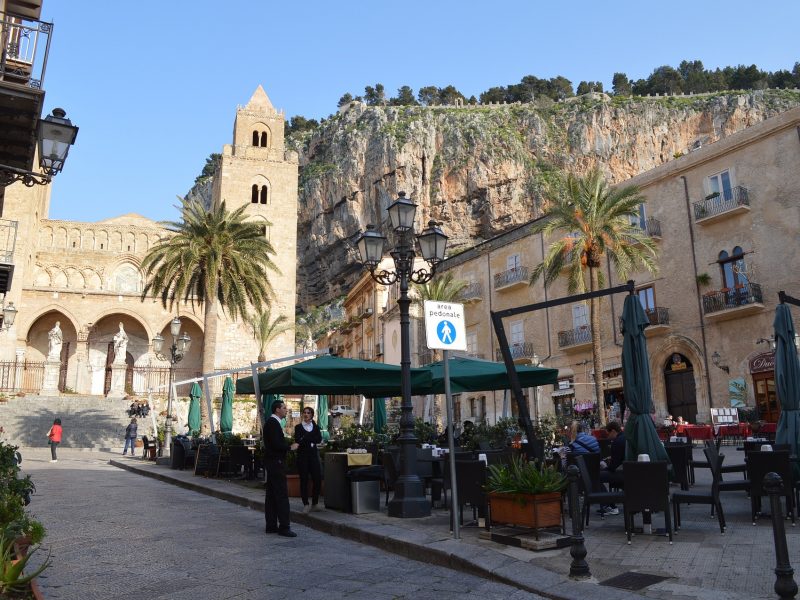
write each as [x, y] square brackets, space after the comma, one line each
[265, 329]
[215, 258]
[595, 221]
[444, 288]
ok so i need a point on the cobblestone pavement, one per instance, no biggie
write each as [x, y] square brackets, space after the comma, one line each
[115, 534]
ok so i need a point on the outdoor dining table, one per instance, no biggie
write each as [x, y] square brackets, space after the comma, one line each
[696, 432]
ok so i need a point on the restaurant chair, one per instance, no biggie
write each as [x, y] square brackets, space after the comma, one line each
[759, 464]
[389, 473]
[591, 488]
[756, 447]
[149, 448]
[470, 479]
[646, 489]
[679, 457]
[710, 497]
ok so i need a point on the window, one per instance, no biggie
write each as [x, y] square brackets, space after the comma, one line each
[263, 139]
[721, 184]
[258, 194]
[472, 343]
[647, 296]
[734, 270]
[254, 195]
[512, 262]
[580, 316]
[263, 194]
[516, 333]
[255, 138]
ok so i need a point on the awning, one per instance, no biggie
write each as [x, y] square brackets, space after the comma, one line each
[558, 393]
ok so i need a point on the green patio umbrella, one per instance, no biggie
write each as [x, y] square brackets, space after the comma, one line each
[787, 382]
[194, 407]
[322, 416]
[267, 400]
[226, 412]
[334, 375]
[475, 375]
[379, 414]
[640, 432]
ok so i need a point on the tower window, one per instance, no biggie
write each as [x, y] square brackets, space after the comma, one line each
[254, 194]
[255, 138]
[263, 139]
[263, 194]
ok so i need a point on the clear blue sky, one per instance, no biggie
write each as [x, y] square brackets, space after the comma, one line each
[154, 85]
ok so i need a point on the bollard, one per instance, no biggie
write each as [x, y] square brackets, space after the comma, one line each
[579, 568]
[785, 585]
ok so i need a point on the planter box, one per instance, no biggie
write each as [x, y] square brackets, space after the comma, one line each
[526, 510]
[293, 484]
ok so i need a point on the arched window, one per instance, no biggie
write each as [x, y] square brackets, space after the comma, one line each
[263, 139]
[255, 138]
[254, 194]
[733, 268]
[263, 194]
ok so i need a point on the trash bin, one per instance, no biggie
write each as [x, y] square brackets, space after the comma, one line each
[366, 496]
[177, 455]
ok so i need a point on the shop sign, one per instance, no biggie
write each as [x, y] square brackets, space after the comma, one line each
[762, 362]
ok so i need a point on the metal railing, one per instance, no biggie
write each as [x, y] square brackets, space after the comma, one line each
[24, 47]
[365, 355]
[652, 227]
[21, 376]
[573, 337]
[510, 276]
[8, 240]
[472, 291]
[657, 316]
[721, 203]
[523, 350]
[148, 378]
[425, 357]
[726, 298]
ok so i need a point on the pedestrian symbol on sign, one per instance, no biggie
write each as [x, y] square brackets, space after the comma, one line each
[446, 332]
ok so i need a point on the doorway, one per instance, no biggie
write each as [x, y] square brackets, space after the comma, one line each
[679, 380]
[766, 399]
[128, 370]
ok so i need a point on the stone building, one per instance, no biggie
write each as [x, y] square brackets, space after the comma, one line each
[727, 218]
[87, 276]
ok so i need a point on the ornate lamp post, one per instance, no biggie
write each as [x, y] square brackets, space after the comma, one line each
[409, 498]
[178, 349]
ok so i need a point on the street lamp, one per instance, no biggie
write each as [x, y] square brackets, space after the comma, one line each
[178, 349]
[536, 362]
[55, 134]
[409, 498]
[9, 314]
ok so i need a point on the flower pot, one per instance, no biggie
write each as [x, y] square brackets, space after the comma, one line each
[526, 510]
[293, 483]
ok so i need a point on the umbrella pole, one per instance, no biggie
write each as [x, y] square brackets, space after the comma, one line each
[448, 396]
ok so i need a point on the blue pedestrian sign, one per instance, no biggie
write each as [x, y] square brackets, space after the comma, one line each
[444, 326]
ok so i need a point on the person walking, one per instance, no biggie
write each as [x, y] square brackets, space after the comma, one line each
[54, 439]
[130, 437]
[308, 436]
[276, 500]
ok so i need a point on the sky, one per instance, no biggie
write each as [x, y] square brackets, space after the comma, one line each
[153, 85]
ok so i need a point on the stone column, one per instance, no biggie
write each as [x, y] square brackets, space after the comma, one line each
[52, 370]
[117, 381]
[19, 359]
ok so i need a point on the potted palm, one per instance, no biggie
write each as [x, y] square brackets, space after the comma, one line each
[524, 494]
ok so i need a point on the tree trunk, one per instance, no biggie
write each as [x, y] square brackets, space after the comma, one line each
[209, 354]
[597, 359]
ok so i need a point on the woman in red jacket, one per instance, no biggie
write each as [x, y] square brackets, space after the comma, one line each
[54, 437]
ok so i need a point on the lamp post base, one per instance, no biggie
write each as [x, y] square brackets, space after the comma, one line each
[409, 500]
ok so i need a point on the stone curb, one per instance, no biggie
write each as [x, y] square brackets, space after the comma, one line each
[519, 574]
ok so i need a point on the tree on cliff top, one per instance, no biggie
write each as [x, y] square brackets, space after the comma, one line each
[595, 221]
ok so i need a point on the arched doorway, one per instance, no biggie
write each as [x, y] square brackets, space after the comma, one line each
[110, 355]
[679, 380]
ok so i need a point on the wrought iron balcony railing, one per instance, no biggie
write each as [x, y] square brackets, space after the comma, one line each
[523, 350]
[511, 276]
[574, 337]
[657, 316]
[473, 291]
[721, 203]
[8, 240]
[468, 354]
[727, 298]
[24, 46]
[652, 227]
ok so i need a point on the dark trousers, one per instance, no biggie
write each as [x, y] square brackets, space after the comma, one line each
[53, 446]
[276, 501]
[308, 464]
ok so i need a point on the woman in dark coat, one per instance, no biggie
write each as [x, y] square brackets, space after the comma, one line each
[308, 436]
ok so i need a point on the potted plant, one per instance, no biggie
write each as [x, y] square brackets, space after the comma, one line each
[524, 494]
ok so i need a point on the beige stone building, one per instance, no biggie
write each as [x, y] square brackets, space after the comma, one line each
[727, 220]
[87, 276]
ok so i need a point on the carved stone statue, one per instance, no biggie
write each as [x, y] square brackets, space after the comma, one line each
[55, 337]
[120, 346]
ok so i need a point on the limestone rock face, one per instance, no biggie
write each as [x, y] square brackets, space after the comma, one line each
[482, 170]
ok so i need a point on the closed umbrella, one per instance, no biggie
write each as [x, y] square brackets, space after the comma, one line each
[194, 407]
[268, 399]
[226, 412]
[787, 382]
[379, 414]
[640, 431]
[322, 416]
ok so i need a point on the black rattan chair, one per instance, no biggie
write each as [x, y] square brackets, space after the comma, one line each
[710, 497]
[759, 464]
[679, 455]
[590, 487]
[389, 473]
[646, 489]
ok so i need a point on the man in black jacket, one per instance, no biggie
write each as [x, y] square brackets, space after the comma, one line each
[276, 502]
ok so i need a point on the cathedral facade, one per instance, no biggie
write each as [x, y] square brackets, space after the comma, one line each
[88, 278]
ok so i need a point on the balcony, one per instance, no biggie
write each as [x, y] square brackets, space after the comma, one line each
[721, 206]
[519, 352]
[467, 354]
[365, 312]
[379, 349]
[473, 292]
[573, 340]
[365, 355]
[722, 305]
[425, 358]
[8, 242]
[659, 321]
[652, 228]
[511, 278]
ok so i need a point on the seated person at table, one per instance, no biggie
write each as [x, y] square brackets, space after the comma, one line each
[611, 467]
[668, 422]
[580, 441]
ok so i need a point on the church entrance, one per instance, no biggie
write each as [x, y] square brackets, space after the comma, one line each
[679, 380]
[128, 370]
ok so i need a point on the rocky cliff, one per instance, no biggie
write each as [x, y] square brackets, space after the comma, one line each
[483, 169]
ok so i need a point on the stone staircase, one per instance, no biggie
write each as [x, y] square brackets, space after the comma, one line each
[91, 422]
